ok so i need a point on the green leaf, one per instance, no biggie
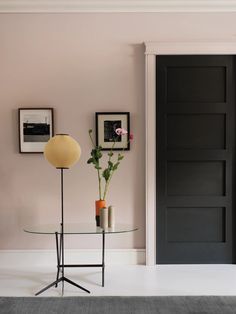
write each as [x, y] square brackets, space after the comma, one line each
[93, 152]
[106, 174]
[96, 153]
[115, 166]
[99, 154]
[120, 157]
[91, 160]
[110, 154]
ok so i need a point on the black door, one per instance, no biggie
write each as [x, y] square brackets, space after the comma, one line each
[195, 145]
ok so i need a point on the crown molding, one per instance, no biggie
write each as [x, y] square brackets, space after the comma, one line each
[116, 6]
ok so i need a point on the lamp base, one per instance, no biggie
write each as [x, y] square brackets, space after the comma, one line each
[62, 279]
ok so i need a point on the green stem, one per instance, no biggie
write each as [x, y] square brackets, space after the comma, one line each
[92, 140]
[108, 181]
[98, 170]
[99, 185]
[111, 151]
[106, 185]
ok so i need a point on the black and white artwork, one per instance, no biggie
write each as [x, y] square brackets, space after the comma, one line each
[106, 125]
[35, 129]
[110, 127]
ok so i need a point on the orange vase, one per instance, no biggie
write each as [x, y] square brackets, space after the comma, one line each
[99, 204]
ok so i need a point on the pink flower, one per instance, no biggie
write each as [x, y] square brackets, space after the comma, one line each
[121, 131]
[131, 136]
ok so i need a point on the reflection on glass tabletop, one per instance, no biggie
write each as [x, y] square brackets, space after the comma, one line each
[78, 228]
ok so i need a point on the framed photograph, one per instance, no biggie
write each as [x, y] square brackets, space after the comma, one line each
[35, 129]
[106, 124]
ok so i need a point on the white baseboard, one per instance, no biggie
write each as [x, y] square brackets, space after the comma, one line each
[47, 258]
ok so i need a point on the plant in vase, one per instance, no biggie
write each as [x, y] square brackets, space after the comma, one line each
[105, 174]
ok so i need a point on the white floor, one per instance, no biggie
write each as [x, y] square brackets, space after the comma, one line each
[125, 280]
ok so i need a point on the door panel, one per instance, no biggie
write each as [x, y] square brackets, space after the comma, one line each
[195, 153]
[183, 131]
[195, 220]
[196, 83]
[195, 178]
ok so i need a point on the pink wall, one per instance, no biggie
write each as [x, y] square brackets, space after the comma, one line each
[79, 64]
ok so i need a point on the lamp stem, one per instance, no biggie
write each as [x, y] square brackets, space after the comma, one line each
[61, 253]
[62, 223]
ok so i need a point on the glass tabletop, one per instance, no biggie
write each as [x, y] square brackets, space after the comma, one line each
[78, 228]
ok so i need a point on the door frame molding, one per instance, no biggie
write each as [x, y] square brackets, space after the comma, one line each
[153, 49]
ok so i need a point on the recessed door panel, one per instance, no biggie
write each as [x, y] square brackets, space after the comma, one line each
[191, 131]
[195, 178]
[191, 224]
[196, 84]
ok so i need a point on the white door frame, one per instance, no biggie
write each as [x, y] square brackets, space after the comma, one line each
[152, 50]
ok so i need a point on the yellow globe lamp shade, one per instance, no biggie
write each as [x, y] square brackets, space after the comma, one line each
[62, 151]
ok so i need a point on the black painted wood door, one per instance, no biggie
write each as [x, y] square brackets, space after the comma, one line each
[195, 159]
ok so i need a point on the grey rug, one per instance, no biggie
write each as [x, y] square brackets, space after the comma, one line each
[119, 305]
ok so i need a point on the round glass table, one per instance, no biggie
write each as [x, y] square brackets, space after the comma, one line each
[78, 228]
[75, 228]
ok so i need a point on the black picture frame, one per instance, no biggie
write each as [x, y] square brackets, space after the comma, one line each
[36, 127]
[106, 123]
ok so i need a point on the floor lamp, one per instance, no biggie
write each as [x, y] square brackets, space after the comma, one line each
[62, 151]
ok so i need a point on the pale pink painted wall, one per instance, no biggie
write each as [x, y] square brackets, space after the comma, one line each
[79, 64]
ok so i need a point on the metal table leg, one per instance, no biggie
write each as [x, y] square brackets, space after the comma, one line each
[103, 258]
[61, 265]
[60, 268]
